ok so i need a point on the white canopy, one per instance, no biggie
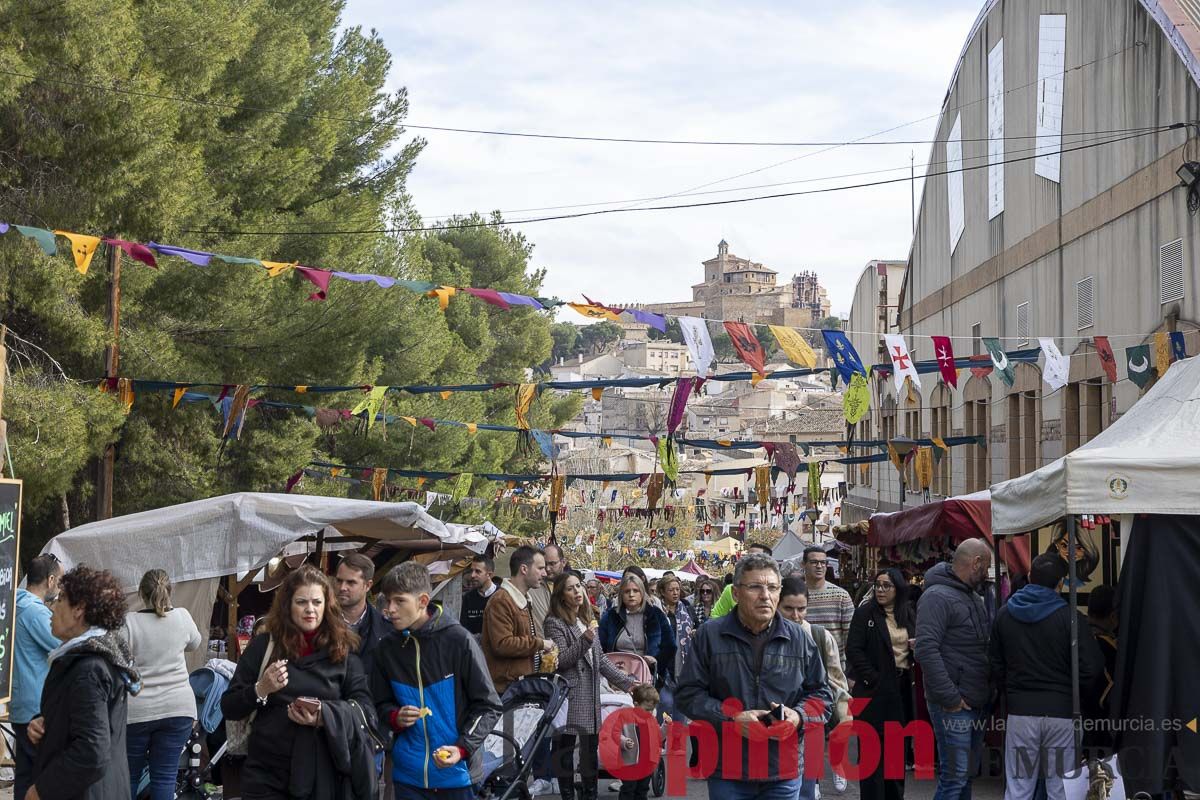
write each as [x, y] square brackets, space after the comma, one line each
[200, 542]
[1144, 463]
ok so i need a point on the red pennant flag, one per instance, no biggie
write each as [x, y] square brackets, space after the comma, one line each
[1107, 359]
[489, 296]
[747, 346]
[982, 372]
[944, 352]
[318, 278]
[428, 423]
[138, 252]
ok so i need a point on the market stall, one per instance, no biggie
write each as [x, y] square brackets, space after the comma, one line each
[1142, 469]
[232, 538]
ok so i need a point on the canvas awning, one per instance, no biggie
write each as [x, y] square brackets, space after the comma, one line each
[1136, 466]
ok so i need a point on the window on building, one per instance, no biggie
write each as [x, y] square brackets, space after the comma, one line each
[977, 396]
[995, 114]
[1023, 322]
[1084, 302]
[1052, 53]
[1170, 272]
[1023, 423]
[939, 426]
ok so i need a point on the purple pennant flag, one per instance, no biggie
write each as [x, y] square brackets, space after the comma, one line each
[683, 388]
[3, 227]
[382, 281]
[520, 300]
[646, 318]
[197, 257]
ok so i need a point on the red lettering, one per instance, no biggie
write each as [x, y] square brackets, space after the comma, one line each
[894, 735]
[678, 769]
[868, 750]
[611, 752]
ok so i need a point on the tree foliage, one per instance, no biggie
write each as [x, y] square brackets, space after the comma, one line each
[287, 127]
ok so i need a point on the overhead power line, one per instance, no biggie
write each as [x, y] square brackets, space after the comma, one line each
[675, 206]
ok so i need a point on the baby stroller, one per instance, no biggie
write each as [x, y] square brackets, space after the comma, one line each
[527, 721]
[640, 670]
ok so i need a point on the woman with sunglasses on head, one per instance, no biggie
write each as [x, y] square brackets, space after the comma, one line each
[707, 592]
[879, 657]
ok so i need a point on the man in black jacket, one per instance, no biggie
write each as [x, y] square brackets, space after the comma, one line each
[432, 687]
[771, 667]
[1030, 656]
[355, 576]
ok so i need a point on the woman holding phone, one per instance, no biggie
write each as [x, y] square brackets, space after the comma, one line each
[312, 678]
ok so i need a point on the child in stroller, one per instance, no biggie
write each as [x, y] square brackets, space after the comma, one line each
[640, 669]
[645, 697]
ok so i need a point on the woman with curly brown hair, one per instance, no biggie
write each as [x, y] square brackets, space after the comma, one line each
[80, 736]
[307, 686]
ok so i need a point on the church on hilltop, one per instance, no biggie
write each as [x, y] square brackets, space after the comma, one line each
[738, 289]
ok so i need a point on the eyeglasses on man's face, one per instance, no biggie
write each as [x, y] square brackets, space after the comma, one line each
[761, 588]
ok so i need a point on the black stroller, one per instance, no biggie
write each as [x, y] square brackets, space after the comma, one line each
[530, 706]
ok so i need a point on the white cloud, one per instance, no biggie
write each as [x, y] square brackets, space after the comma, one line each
[757, 71]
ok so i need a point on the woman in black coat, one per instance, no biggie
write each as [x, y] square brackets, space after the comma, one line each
[80, 736]
[303, 699]
[879, 660]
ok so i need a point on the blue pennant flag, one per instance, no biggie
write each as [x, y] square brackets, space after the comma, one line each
[1178, 347]
[843, 354]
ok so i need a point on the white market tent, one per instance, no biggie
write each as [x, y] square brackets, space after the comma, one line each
[1142, 464]
[236, 535]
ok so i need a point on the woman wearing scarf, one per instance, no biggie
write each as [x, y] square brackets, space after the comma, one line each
[683, 621]
[80, 736]
[581, 662]
[707, 592]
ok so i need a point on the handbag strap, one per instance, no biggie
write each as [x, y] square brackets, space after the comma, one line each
[261, 669]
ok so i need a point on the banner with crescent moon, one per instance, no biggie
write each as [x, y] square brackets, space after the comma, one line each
[1137, 360]
[999, 359]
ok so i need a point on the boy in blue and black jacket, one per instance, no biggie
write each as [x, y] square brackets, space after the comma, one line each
[431, 686]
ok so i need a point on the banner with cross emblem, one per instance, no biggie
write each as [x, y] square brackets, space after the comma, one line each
[902, 363]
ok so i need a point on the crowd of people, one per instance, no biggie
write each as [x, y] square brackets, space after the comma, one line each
[339, 696]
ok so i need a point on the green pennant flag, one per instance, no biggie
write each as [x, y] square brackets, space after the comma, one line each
[43, 237]
[814, 483]
[666, 457]
[461, 487]
[857, 401]
[1137, 362]
[371, 404]
[999, 359]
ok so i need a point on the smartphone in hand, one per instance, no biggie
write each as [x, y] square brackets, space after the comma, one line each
[310, 704]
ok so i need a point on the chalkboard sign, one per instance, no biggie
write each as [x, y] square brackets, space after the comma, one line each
[10, 543]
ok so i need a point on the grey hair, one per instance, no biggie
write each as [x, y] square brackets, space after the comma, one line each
[755, 562]
[407, 578]
[641, 587]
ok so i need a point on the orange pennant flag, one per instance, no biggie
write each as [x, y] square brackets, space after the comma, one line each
[443, 295]
[301, 389]
[83, 247]
[377, 479]
[277, 268]
[597, 391]
[179, 390]
[445, 395]
[420, 482]
[335, 472]
[472, 428]
[607, 441]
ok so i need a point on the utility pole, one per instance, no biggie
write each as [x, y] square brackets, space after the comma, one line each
[112, 362]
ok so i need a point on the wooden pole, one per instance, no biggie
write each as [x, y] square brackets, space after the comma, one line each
[112, 362]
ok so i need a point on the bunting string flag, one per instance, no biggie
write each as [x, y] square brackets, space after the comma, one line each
[1178, 346]
[1162, 353]
[1108, 361]
[902, 363]
[843, 353]
[1137, 361]
[857, 400]
[699, 343]
[747, 346]
[83, 247]
[943, 351]
[679, 398]
[1057, 370]
[794, 346]
[1000, 360]
[814, 483]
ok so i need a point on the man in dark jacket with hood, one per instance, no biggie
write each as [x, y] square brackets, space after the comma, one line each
[1031, 661]
[952, 640]
[432, 687]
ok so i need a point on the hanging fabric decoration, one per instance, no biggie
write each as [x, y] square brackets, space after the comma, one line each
[762, 486]
[546, 443]
[748, 348]
[902, 363]
[83, 247]
[443, 295]
[679, 398]
[180, 391]
[198, 257]
[461, 487]
[378, 476]
[1178, 346]
[371, 404]
[43, 237]
[982, 371]
[597, 393]
[277, 268]
[843, 353]
[794, 346]
[654, 488]
[894, 457]
[318, 278]
[594, 311]
[1137, 363]
[814, 483]
[999, 359]
[489, 296]
[940, 448]
[656, 321]
[1108, 361]
[1162, 353]
[668, 459]
[526, 392]
[695, 335]
[236, 416]
[1057, 370]
[558, 489]
[924, 467]
[787, 459]
[857, 400]
[910, 392]
[943, 351]
[138, 252]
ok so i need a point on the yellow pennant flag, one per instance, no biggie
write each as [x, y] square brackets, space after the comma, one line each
[420, 482]
[83, 247]
[597, 391]
[277, 268]
[595, 312]
[794, 346]
[1162, 353]
[607, 440]
[864, 473]
[472, 428]
[445, 395]
[526, 393]
[443, 295]
[378, 476]
[725, 442]
[371, 404]
[301, 390]
[912, 392]
[897, 462]
[410, 420]
[757, 378]
[335, 472]
[125, 393]
[941, 443]
[179, 390]
[925, 467]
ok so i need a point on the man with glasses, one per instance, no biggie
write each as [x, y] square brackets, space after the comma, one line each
[829, 605]
[539, 596]
[725, 601]
[32, 643]
[771, 667]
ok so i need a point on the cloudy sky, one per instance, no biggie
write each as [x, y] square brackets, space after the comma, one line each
[790, 72]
